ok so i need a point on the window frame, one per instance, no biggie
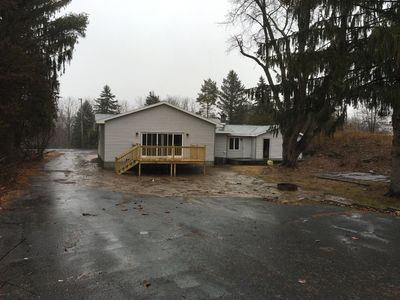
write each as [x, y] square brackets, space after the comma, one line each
[168, 137]
[234, 143]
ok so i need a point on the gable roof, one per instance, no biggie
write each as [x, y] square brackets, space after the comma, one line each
[103, 121]
[244, 130]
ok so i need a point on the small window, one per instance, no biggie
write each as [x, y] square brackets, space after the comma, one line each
[234, 143]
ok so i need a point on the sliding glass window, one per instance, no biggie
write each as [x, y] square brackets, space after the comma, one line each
[160, 144]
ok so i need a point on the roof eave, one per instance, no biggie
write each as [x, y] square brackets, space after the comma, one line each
[156, 105]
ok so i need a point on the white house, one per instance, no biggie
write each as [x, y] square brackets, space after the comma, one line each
[247, 143]
[161, 124]
[168, 134]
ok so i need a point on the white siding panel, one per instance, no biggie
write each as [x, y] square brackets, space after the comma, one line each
[122, 133]
[275, 148]
[247, 147]
[100, 148]
[235, 153]
[220, 145]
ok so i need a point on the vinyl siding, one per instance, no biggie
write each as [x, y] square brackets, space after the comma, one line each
[247, 147]
[100, 149]
[244, 150]
[120, 133]
[275, 148]
[221, 145]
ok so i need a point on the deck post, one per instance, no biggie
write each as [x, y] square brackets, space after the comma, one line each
[175, 170]
[171, 170]
[204, 168]
[140, 169]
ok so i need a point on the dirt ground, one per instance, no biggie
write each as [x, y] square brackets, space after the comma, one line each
[239, 181]
[349, 151]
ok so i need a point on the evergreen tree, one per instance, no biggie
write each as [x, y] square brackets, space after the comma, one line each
[232, 100]
[35, 44]
[207, 98]
[107, 104]
[86, 116]
[152, 98]
[301, 46]
[261, 111]
[375, 79]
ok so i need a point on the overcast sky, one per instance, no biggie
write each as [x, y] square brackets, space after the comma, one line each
[138, 46]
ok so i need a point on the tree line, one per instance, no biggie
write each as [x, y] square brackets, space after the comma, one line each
[232, 102]
[75, 126]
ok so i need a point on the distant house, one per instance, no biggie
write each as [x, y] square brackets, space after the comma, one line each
[165, 134]
[247, 143]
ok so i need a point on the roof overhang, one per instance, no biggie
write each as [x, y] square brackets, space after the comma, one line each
[240, 134]
[103, 121]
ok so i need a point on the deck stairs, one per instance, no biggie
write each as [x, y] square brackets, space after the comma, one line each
[127, 160]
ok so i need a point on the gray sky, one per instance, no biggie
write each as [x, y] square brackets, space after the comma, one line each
[137, 46]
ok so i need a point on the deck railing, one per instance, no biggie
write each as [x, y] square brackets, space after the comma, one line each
[173, 153]
[127, 159]
[159, 154]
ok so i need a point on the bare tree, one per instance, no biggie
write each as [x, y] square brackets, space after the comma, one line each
[373, 118]
[124, 106]
[139, 102]
[70, 107]
[286, 40]
[62, 133]
[183, 102]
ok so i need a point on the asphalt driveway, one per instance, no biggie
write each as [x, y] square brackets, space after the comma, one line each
[65, 240]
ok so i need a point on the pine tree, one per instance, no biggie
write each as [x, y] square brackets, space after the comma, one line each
[106, 103]
[262, 109]
[376, 76]
[152, 98]
[85, 114]
[207, 98]
[35, 45]
[232, 100]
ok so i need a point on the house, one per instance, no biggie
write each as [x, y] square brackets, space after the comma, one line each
[247, 143]
[161, 133]
[165, 134]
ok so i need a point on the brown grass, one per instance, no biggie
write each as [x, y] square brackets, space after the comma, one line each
[15, 176]
[348, 150]
[352, 150]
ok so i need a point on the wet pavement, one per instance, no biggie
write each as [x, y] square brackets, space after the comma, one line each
[65, 240]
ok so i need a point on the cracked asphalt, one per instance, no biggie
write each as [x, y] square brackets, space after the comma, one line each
[65, 240]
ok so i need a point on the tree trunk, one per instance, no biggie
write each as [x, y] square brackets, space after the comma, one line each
[290, 150]
[394, 190]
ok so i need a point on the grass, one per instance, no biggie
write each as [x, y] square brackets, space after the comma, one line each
[349, 150]
[372, 195]
[15, 176]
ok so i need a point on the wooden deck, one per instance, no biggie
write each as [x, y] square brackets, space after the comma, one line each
[171, 155]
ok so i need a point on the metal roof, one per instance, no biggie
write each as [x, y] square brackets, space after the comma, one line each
[102, 121]
[244, 130]
[101, 117]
